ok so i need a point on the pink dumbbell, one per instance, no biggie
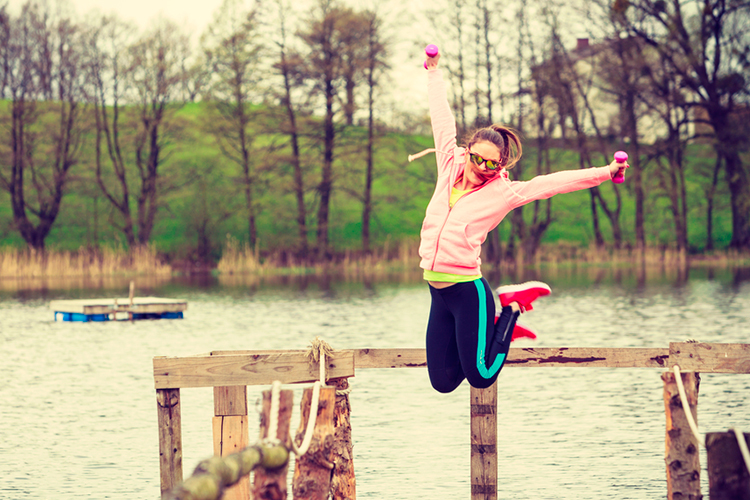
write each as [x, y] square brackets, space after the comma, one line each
[620, 157]
[431, 50]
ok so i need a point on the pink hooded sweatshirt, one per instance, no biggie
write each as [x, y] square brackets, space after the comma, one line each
[451, 238]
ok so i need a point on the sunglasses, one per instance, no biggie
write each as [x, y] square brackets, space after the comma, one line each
[478, 160]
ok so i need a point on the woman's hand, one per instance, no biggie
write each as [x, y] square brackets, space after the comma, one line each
[432, 62]
[615, 167]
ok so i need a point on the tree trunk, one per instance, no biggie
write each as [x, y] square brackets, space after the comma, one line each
[326, 181]
[635, 171]
[740, 200]
[367, 202]
[299, 183]
[710, 192]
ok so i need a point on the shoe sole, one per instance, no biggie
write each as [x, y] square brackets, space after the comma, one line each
[523, 286]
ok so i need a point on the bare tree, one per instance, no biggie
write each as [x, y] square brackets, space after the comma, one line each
[572, 91]
[42, 78]
[375, 64]
[233, 47]
[107, 86]
[667, 100]
[325, 30]
[706, 43]
[455, 66]
[157, 75]
[289, 66]
[147, 73]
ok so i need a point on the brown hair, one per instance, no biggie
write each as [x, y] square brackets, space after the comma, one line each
[506, 140]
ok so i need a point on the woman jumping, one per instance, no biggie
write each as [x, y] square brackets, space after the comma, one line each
[472, 196]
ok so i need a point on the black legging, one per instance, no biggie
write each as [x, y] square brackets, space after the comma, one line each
[462, 341]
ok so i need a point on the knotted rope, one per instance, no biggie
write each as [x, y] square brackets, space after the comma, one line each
[317, 352]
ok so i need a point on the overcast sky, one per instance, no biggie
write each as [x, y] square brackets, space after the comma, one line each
[406, 29]
[195, 15]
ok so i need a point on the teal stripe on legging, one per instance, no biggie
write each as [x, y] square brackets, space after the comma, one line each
[482, 337]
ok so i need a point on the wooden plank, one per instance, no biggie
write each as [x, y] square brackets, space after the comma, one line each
[710, 358]
[633, 357]
[230, 400]
[230, 434]
[609, 357]
[390, 358]
[141, 305]
[246, 369]
[170, 439]
[544, 356]
[483, 415]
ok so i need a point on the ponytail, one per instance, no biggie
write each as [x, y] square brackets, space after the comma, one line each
[506, 140]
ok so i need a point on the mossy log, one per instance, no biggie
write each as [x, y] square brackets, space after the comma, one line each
[213, 475]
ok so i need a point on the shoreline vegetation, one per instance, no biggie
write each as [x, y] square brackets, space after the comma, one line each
[242, 259]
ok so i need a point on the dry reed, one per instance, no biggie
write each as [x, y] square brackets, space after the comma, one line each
[29, 263]
[403, 256]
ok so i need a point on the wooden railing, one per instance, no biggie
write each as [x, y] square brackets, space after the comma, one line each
[238, 369]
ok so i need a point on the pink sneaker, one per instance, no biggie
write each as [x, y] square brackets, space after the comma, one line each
[520, 332]
[524, 294]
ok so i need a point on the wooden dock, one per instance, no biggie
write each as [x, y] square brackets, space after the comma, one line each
[230, 372]
[134, 308]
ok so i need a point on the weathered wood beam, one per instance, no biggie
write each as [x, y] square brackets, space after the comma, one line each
[170, 439]
[523, 356]
[246, 369]
[710, 358]
[262, 367]
[230, 432]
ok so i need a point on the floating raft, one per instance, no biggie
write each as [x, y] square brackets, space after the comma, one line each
[113, 309]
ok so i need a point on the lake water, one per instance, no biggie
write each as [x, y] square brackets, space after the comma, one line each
[78, 409]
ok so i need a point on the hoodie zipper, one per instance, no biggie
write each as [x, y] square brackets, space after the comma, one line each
[450, 209]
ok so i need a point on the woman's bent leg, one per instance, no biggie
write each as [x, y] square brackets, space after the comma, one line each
[481, 356]
[443, 363]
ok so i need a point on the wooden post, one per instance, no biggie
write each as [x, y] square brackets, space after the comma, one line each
[484, 443]
[170, 438]
[682, 458]
[343, 483]
[312, 471]
[230, 431]
[271, 485]
[131, 295]
[728, 478]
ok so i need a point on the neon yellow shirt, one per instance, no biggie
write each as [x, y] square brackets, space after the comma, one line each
[448, 278]
[455, 195]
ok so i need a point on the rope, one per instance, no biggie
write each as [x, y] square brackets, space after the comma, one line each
[273, 433]
[426, 152]
[743, 447]
[685, 405]
[310, 423]
[317, 353]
